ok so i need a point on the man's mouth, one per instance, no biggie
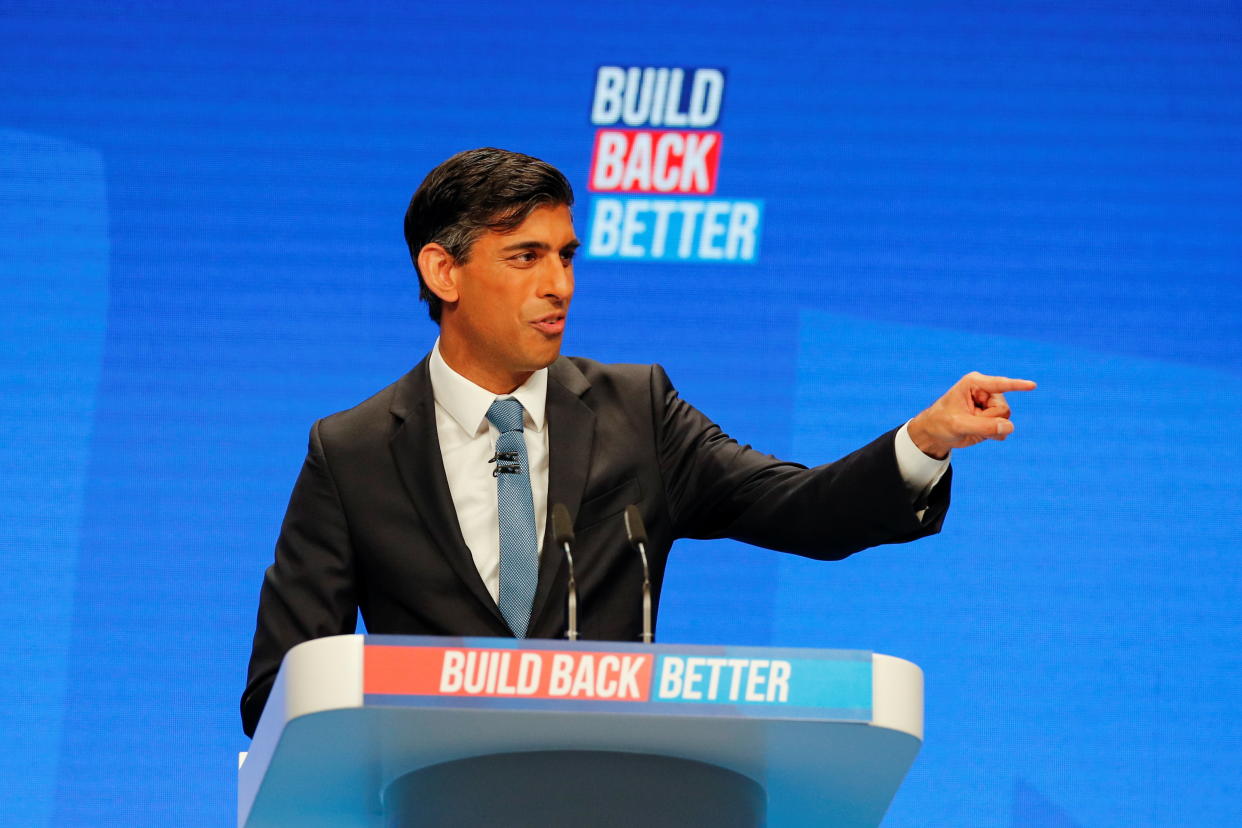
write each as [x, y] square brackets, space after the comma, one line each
[552, 324]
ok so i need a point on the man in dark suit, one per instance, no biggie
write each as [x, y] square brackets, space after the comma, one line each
[411, 507]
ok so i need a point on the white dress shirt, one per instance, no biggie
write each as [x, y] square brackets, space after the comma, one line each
[920, 472]
[468, 442]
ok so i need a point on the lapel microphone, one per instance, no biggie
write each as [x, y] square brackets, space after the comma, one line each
[637, 533]
[563, 532]
[506, 463]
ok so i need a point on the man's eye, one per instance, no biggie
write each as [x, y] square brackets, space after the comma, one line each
[525, 257]
[567, 255]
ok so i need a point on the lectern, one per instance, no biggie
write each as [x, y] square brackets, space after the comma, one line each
[374, 731]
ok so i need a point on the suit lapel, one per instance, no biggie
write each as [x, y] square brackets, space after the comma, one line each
[416, 452]
[572, 431]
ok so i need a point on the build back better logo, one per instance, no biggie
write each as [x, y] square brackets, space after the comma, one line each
[655, 167]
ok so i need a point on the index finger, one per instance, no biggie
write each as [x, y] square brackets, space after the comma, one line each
[999, 385]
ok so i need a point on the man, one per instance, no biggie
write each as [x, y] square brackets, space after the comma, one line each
[426, 506]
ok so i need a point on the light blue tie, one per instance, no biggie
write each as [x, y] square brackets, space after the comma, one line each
[519, 551]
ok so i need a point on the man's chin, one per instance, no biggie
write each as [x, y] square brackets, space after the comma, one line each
[549, 358]
[532, 350]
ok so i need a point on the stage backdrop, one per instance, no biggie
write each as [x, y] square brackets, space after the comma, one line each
[816, 216]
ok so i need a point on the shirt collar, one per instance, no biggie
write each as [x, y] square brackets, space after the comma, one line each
[468, 403]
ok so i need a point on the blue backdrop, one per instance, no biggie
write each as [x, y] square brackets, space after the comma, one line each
[201, 253]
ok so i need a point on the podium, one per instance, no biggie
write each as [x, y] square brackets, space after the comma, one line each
[371, 730]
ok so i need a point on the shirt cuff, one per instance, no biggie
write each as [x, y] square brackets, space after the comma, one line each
[920, 472]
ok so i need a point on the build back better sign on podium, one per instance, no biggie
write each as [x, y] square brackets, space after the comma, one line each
[395, 730]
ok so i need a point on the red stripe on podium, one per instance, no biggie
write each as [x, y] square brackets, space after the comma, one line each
[506, 673]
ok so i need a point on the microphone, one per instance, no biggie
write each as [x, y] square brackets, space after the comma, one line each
[506, 463]
[563, 532]
[637, 533]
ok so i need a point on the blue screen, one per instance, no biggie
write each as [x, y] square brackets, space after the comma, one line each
[818, 218]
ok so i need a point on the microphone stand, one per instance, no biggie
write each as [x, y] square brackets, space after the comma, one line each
[563, 532]
[637, 534]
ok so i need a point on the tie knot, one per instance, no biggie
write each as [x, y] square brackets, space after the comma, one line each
[506, 415]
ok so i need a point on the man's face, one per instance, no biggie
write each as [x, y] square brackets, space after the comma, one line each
[513, 298]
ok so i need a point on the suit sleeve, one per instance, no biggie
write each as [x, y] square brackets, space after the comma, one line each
[718, 488]
[309, 591]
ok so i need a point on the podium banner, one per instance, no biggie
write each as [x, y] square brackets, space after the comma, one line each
[687, 680]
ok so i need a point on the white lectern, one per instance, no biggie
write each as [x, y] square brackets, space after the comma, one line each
[374, 731]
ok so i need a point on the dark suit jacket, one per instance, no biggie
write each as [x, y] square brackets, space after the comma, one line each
[371, 524]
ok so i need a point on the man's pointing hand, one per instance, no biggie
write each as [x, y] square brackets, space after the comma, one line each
[972, 411]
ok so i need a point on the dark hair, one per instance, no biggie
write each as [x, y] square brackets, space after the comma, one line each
[477, 190]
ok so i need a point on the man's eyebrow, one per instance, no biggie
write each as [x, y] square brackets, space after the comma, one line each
[525, 245]
[538, 245]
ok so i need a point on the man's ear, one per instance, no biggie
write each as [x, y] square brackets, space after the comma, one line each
[438, 270]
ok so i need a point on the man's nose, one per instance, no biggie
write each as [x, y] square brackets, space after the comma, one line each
[557, 279]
